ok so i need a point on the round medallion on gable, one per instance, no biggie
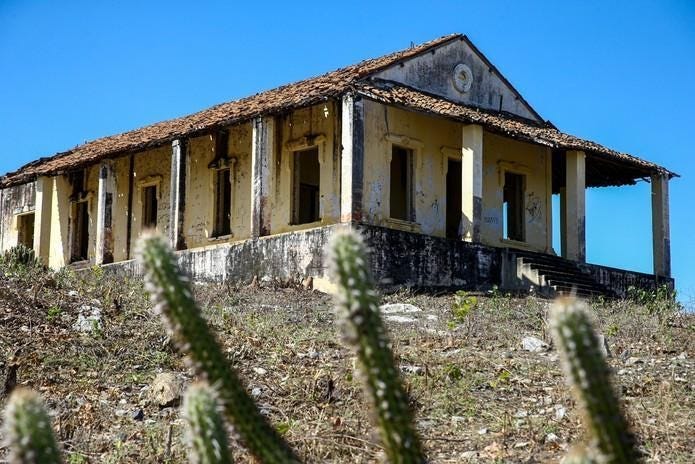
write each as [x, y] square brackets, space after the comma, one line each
[463, 78]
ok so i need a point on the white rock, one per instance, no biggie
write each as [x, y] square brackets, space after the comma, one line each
[551, 438]
[469, 455]
[256, 392]
[260, 371]
[88, 319]
[432, 317]
[402, 308]
[632, 360]
[560, 412]
[482, 431]
[165, 390]
[400, 319]
[534, 345]
[408, 369]
[73, 294]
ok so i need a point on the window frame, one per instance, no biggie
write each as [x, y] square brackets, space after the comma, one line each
[149, 181]
[218, 165]
[291, 147]
[19, 218]
[415, 147]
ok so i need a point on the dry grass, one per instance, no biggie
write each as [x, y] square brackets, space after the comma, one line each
[477, 395]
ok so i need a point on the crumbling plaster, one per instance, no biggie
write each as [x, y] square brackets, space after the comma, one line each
[200, 187]
[301, 129]
[433, 142]
[20, 199]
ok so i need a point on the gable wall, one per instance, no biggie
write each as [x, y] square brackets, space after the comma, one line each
[432, 72]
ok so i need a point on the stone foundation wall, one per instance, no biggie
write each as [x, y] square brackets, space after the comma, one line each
[399, 259]
[620, 280]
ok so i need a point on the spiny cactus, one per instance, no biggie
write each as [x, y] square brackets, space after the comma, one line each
[207, 435]
[589, 376]
[358, 308]
[28, 433]
[171, 294]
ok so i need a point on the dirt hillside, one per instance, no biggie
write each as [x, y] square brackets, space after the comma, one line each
[111, 377]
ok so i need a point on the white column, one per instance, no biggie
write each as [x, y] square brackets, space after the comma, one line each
[262, 159]
[177, 198]
[42, 218]
[574, 207]
[471, 182]
[661, 230]
[352, 159]
[105, 206]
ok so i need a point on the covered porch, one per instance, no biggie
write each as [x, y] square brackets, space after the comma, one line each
[571, 165]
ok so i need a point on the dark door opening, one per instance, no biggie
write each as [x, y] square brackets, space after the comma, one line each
[401, 184]
[223, 203]
[306, 186]
[149, 207]
[453, 199]
[25, 230]
[80, 236]
[514, 187]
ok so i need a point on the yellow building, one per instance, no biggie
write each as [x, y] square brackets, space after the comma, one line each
[430, 152]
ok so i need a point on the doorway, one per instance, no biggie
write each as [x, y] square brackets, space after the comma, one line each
[80, 235]
[513, 214]
[306, 187]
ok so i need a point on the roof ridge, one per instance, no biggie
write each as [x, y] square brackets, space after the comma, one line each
[332, 83]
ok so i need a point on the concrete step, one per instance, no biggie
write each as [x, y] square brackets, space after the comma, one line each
[562, 275]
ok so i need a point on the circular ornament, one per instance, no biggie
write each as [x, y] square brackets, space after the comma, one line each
[463, 78]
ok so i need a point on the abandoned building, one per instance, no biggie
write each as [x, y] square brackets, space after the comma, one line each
[430, 152]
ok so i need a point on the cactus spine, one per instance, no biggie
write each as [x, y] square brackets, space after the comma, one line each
[171, 294]
[358, 309]
[589, 375]
[207, 435]
[28, 431]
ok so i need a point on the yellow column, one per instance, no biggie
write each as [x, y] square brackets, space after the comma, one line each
[661, 234]
[471, 182]
[60, 214]
[42, 218]
[574, 207]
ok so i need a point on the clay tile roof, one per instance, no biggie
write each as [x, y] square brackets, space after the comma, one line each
[298, 94]
[612, 167]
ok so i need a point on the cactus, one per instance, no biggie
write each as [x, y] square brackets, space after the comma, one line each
[358, 309]
[28, 432]
[172, 297]
[207, 436]
[589, 376]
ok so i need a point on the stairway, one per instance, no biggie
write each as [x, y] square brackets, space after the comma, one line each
[559, 276]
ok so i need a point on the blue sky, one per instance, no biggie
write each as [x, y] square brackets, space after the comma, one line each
[619, 73]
